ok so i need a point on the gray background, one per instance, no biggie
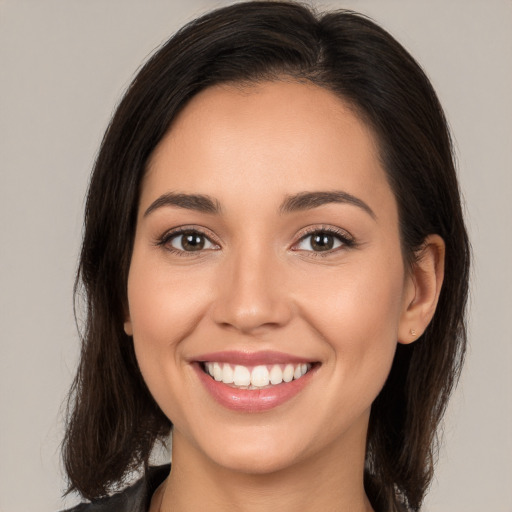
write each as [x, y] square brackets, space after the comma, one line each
[63, 66]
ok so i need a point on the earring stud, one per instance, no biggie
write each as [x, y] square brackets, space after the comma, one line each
[413, 332]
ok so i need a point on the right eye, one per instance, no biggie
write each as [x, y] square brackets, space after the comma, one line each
[187, 241]
[191, 241]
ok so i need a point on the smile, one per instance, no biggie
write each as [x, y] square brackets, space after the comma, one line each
[253, 382]
[255, 377]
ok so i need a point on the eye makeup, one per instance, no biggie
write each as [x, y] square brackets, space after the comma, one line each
[192, 240]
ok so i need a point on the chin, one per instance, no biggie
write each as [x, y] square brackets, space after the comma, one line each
[258, 453]
[261, 461]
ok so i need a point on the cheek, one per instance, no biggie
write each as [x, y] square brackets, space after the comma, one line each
[358, 316]
[164, 306]
[363, 299]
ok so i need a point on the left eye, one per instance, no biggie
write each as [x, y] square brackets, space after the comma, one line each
[320, 241]
[190, 241]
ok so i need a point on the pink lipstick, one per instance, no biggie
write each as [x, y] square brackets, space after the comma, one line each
[253, 382]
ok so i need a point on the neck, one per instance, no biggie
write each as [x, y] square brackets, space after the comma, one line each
[331, 481]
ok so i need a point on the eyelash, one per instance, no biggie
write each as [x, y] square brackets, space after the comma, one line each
[346, 240]
[166, 238]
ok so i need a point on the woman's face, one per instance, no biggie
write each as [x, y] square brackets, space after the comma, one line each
[267, 245]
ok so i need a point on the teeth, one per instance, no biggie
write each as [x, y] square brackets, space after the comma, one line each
[288, 373]
[276, 375]
[217, 372]
[260, 376]
[241, 376]
[227, 374]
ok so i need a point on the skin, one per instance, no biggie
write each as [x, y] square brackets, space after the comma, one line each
[258, 284]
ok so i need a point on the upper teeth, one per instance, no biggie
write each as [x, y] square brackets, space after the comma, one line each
[257, 376]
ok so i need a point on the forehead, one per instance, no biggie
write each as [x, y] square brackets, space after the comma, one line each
[269, 139]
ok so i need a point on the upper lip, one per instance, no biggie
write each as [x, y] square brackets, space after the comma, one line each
[250, 358]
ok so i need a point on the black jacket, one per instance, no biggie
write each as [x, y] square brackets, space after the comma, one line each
[135, 498]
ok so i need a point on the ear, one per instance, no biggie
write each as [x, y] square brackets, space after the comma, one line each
[422, 289]
[128, 329]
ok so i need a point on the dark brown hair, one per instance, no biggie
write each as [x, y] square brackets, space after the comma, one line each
[113, 421]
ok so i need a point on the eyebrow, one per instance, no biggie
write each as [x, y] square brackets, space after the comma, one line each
[309, 200]
[293, 203]
[198, 202]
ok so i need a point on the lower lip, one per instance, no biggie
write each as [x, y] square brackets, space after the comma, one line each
[253, 400]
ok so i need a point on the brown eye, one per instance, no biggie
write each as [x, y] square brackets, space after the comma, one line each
[190, 241]
[323, 241]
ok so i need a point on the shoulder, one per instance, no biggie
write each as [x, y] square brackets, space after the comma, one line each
[135, 498]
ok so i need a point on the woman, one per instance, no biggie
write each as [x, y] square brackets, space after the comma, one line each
[275, 265]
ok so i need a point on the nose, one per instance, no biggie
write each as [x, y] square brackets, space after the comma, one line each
[252, 295]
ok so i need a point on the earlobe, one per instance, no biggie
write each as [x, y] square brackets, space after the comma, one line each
[422, 290]
[128, 327]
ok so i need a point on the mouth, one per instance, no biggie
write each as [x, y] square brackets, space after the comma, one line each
[253, 382]
[255, 377]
